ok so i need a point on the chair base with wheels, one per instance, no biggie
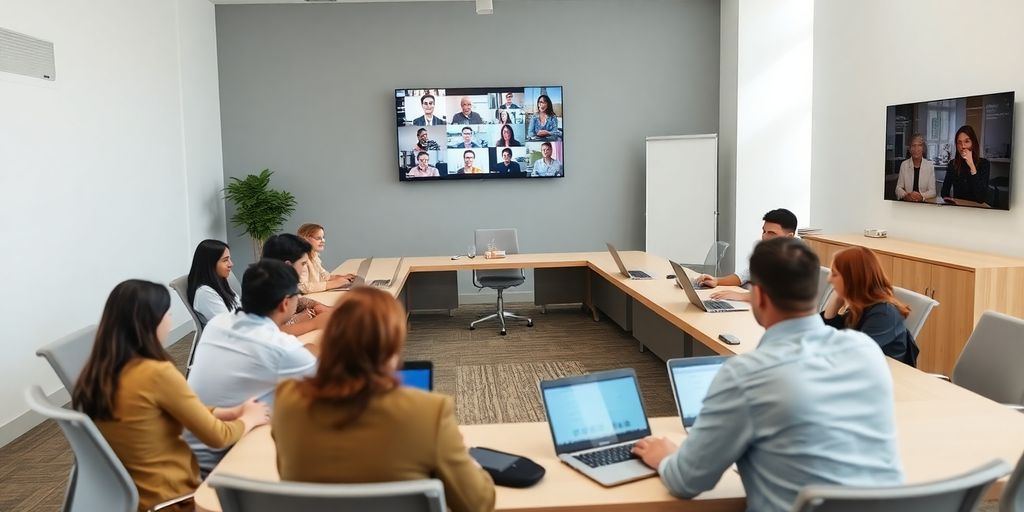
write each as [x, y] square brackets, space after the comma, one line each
[505, 239]
[500, 314]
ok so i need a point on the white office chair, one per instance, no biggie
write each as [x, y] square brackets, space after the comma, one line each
[507, 240]
[957, 494]
[920, 307]
[990, 363]
[69, 354]
[180, 285]
[824, 287]
[102, 483]
[239, 494]
[712, 262]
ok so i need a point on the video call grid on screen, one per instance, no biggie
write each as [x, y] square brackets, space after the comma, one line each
[921, 148]
[479, 133]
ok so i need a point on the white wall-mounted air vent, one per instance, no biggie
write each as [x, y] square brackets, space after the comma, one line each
[25, 55]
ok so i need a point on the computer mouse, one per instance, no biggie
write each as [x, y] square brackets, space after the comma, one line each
[670, 276]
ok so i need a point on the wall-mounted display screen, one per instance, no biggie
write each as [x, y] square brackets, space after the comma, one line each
[480, 133]
[955, 151]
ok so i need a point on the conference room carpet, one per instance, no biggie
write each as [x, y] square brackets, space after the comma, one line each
[493, 379]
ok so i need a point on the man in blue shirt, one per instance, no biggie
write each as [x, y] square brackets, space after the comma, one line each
[547, 166]
[811, 405]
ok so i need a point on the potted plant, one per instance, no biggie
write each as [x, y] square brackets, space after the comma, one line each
[260, 210]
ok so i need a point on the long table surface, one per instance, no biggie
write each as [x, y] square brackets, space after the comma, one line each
[942, 429]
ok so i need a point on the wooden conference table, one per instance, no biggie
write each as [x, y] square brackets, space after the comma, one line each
[943, 429]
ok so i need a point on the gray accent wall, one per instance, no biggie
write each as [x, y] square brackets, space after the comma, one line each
[307, 90]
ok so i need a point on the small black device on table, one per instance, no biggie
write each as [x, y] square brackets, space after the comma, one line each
[507, 469]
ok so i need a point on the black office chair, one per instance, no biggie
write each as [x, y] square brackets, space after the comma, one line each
[507, 240]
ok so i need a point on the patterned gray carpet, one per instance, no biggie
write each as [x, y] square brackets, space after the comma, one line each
[506, 393]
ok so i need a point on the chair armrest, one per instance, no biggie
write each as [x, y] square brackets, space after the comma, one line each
[940, 376]
[1016, 407]
[171, 502]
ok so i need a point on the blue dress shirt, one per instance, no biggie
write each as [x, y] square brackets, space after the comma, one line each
[811, 405]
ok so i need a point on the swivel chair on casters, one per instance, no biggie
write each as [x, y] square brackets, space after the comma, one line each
[507, 240]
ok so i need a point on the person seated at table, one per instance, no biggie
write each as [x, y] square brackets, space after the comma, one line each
[294, 251]
[353, 422]
[245, 354]
[778, 222]
[318, 279]
[140, 402]
[863, 300]
[208, 290]
[916, 182]
[810, 405]
[967, 174]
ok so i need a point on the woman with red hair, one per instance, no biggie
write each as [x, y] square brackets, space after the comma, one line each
[863, 300]
[353, 422]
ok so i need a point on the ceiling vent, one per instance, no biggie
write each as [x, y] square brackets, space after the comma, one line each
[25, 55]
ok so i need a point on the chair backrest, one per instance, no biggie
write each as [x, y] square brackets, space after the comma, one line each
[920, 307]
[234, 284]
[504, 239]
[180, 285]
[69, 354]
[990, 362]
[714, 257]
[957, 494]
[824, 287]
[238, 494]
[1012, 499]
[101, 482]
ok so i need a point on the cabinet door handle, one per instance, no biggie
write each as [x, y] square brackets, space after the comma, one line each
[926, 290]
[933, 294]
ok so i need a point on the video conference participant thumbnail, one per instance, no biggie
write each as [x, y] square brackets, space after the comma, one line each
[422, 107]
[543, 114]
[506, 160]
[467, 109]
[545, 158]
[423, 169]
[474, 161]
[465, 137]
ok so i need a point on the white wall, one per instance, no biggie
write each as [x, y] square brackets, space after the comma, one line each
[96, 168]
[872, 53]
[773, 59]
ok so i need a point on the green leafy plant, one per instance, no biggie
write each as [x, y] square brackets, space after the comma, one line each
[260, 210]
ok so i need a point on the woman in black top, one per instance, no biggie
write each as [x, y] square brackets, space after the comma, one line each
[967, 173]
[863, 300]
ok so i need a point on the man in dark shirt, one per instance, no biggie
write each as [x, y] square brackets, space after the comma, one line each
[506, 165]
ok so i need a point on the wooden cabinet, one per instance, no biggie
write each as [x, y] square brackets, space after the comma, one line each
[965, 283]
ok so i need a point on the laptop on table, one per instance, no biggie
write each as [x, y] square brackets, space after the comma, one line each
[417, 374]
[691, 378]
[628, 274]
[388, 283]
[709, 305]
[595, 420]
[360, 278]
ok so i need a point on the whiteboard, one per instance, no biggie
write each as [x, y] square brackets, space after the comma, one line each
[682, 196]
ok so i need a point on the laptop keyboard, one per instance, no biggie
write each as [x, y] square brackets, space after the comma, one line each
[381, 283]
[639, 274]
[612, 455]
[717, 304]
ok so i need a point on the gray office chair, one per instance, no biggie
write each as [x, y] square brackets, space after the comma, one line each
[824, 287]
[506, 239]
[957, 494]
[234, 284]
[68, 355]
[989, 364]
[238, 494]
[920, 307]
[1012, 499]
[180, 285]
[102, 483]
[712, 262]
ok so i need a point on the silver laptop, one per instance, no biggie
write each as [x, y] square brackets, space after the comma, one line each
[360, 278]
[387, 283]
[709, 305]
[629, 274]
[691, 378]
[595, 420]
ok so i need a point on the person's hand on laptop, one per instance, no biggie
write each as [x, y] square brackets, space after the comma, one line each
[320, 309]
[336, 281]
[731, 295]
[707, 281]
[653, 449]
[350, 276]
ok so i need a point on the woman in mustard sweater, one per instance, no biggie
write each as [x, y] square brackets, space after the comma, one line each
[140, 402]
[353, 423]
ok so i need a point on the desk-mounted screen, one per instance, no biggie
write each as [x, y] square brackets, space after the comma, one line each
[480, 133]
[955, 151]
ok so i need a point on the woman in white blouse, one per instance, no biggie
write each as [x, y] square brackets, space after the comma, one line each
[916, 182]
[208, 288]
[318, 279]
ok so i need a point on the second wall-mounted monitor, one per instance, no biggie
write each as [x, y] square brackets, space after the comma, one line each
[480, 133]
[954, 151]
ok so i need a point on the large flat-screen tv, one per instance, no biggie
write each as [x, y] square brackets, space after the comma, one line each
[480, 133]
[955, 151]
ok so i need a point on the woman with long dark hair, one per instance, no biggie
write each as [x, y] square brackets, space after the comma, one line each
[355, 409]
[863, 300]
[208, 289]
[507, 137]
[140, 402]
[967, 173]
[544, 123]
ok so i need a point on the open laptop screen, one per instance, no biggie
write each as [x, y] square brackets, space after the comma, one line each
[691, 379]
[417, 374]
[597, 413]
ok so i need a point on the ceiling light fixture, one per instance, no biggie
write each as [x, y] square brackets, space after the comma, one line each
[485, 6]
